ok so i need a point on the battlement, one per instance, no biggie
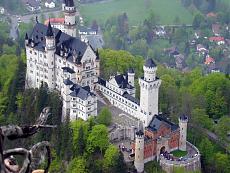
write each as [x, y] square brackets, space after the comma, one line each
[191, 162]
[183, 118]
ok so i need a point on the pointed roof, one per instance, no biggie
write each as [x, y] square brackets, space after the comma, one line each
[69, 3]
[150, 63]
[49, 32]
[130, 70]
[97, 55]
[68, 82]
[26, 37]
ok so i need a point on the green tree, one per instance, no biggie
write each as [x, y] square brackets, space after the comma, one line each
[199, 117]
[222, 162]
[207, 150]
[223, 127]
[105, 116]
[198, 21]
[80, 142]
[77, 165]
[98, 139]
[110, 158]
[113, 160]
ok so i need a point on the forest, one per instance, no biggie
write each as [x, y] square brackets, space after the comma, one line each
[205, 98]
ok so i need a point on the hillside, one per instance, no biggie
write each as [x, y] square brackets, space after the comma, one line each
[137, 10]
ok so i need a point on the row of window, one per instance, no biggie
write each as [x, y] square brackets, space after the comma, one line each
[114, 95]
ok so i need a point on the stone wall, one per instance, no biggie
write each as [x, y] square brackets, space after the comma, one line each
[191, 164]
[120, 133]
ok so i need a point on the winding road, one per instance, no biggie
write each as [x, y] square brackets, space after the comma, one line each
[212, 136]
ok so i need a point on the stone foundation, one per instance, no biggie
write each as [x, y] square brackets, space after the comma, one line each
[190, 164]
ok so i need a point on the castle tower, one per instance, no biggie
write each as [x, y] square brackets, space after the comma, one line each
[63, 5]
[131, 75]
[149, 91]
[139, 152]
[50, 55]
[70, 26]
[65, 92]
[183, 121]
[26, 39]
[97, 64]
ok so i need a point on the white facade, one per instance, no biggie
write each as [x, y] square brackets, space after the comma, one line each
[70, 69]
[120, 91]
[149, 91]
[50, 5]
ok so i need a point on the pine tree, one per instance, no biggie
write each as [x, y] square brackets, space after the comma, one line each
[80, 144]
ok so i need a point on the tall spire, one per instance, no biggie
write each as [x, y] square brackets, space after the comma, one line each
[49, 32]
[26, 37]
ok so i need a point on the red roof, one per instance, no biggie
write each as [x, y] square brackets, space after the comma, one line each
[216, 39]
[54, 20]
[209, 60]
[211, 14]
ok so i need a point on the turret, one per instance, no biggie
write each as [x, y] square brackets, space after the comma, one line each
[26, 39]
[50, 40]
[150, 69]
[139, 152]
[131, 75]
[149, 92]
[70, 26]
[67, 83]
[32, 43]
[97, 63]
[183, 121]
[63, 5]
[50, 55]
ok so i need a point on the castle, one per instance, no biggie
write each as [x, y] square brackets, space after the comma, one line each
[64, 63]
[59, 60]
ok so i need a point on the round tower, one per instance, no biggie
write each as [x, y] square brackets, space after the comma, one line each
[50, 55]
[149, 91]
[131, 75]
[139, 152]
[183, 121]
[70, 25]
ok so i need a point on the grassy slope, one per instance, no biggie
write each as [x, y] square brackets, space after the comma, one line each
[137, 10]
